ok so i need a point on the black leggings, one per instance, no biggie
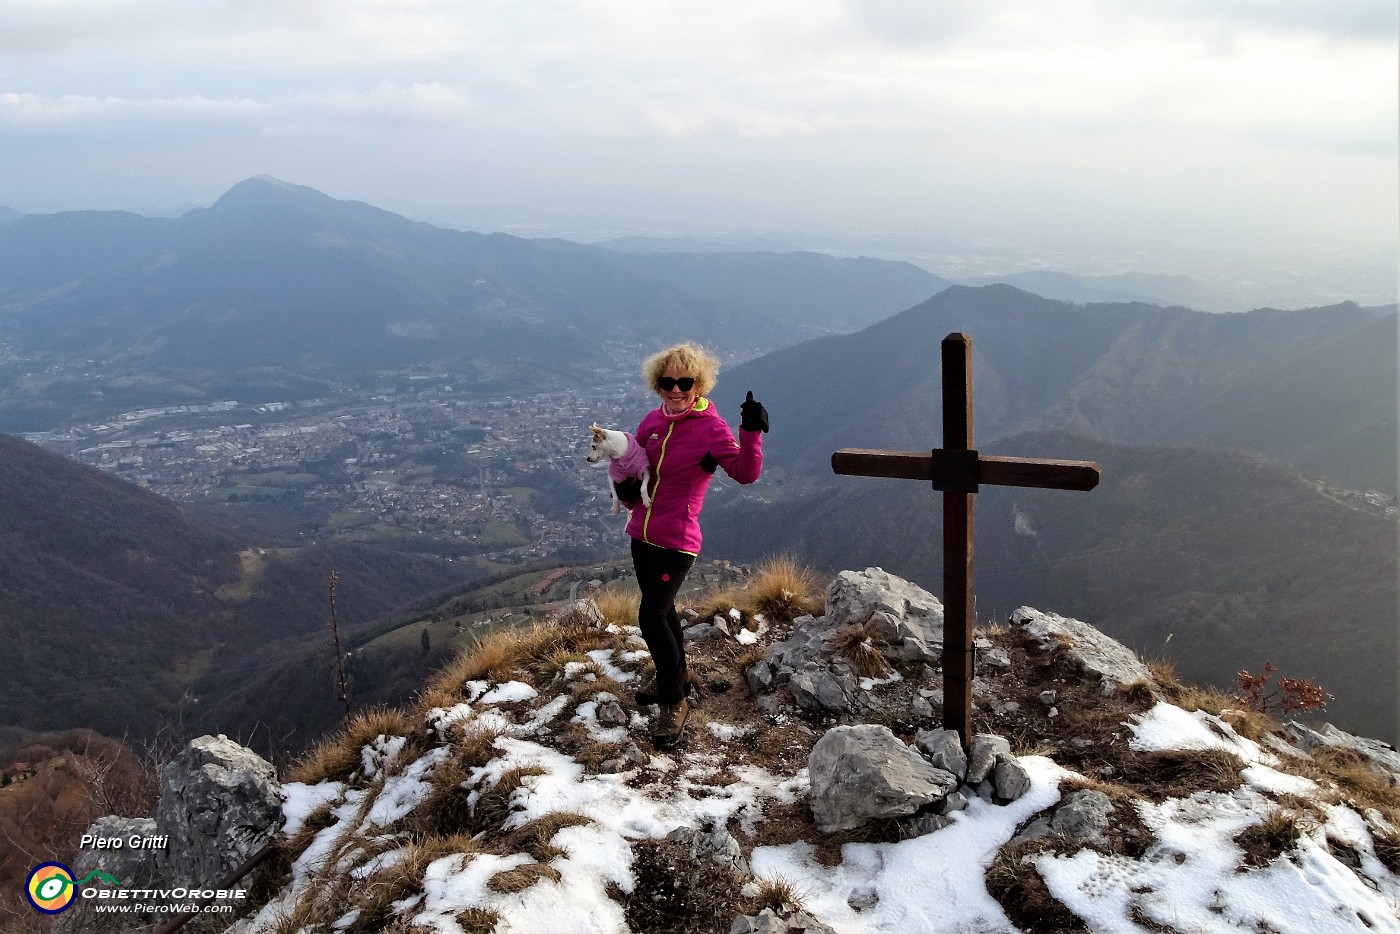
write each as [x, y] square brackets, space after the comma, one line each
[660, 573]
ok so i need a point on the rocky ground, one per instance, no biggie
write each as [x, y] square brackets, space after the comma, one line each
[525, 794]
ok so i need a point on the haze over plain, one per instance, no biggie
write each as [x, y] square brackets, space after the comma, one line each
[1238, 142]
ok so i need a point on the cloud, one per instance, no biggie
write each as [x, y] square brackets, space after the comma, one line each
[35, 111]
[912, 23]
[1370, 20]
[36, 27]
[383, 105]
[790, 110]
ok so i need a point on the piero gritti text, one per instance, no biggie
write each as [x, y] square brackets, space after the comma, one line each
[133, 842]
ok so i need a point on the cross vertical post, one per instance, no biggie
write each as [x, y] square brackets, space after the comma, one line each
[957, 471]
[957, 535]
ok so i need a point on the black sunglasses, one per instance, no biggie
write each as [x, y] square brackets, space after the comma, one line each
[666, 383]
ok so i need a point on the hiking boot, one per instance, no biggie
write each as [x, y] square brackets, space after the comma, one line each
[670, 724]
[646, 694]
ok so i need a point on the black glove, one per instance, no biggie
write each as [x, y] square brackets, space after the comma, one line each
[753, 416]
[629, 490]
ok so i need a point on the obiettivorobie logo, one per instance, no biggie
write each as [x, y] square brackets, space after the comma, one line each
[51, 888]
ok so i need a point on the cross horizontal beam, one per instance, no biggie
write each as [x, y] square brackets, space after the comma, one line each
[995, 471]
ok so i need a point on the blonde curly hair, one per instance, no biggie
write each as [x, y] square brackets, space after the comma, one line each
[690, 359]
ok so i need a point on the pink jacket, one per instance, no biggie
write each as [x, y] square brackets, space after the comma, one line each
[675, 449]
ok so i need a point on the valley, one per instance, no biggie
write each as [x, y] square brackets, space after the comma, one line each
[499, 476]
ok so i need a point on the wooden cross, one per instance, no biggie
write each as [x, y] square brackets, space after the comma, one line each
[957, 470]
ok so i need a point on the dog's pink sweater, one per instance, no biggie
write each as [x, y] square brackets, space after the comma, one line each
[632, 464]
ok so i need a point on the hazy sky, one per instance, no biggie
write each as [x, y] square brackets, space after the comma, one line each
[1209, 125]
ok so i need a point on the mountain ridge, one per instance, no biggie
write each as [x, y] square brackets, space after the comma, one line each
[1129, 373]
[245, 297]
[117, 605]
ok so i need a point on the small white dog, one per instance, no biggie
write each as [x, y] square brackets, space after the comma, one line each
[626, 459]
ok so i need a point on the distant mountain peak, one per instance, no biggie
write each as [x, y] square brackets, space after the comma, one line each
[264, 198]
[264, 190]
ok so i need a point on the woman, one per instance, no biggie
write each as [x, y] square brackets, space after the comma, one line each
[685, 440]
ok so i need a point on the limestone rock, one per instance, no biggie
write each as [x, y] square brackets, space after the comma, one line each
[610, 713]
[759, 675]
[921, 825]
[588, 611]
[982, 756]
[220, 803]
[127, 865]
[703, 632]
[820, 691]
[1083, 815]
[944, 749]
[711, 844]
[863, 772]
[1379, 757]
[769, 922]
[1011, 778]
[995, 657]
[854, 596]
[1116, 666]
[132, 868]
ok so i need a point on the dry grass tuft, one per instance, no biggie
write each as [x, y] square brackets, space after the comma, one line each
[510, 881]
[1139, 692]
[447, 808]
[1031, 745]
[478, 921]
[618, 606]
[676, 895]
[1269, 839]
[534, 836]
[574, 740]
[494, 805]
[496, 657]
[1177, 773]
[1387, 846]
[337, 756]
[436, 697]
[778, 894]
[1189, 697]
[1163, 672]
[375, 896]
[586, 690]
[317, 821]
[1014, 882]
[512, 653]
[316, 910]
[857, 644]
[748, 655]
[1251, 724]
[783, 590]
[552, 665]
[474, 745]
[1355, 781]
[1114, 790]
[720, 601]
